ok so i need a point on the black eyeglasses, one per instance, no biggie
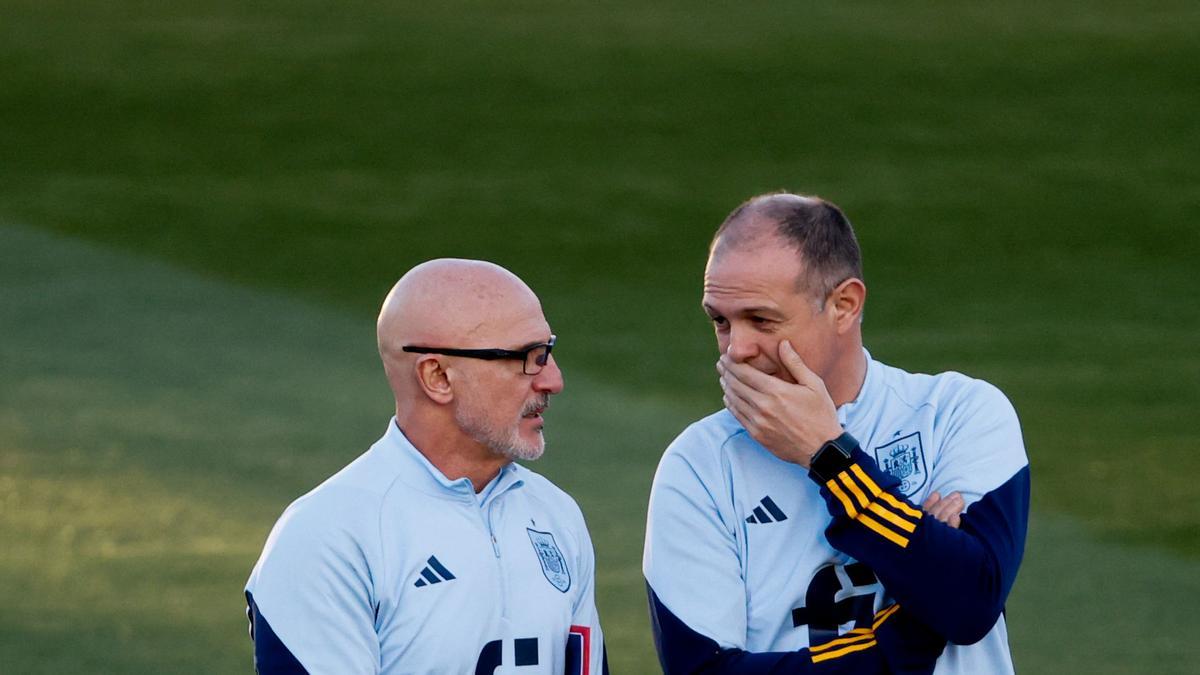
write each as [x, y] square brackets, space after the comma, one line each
[532, 358]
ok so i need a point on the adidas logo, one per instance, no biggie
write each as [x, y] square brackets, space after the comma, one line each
[433, 573]
[765, 507]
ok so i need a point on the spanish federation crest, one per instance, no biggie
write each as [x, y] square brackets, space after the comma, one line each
[554, 566]
[904, 458]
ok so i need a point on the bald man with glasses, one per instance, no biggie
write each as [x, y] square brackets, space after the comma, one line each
[434, 552]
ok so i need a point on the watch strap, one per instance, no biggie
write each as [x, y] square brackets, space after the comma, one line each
[833, 457]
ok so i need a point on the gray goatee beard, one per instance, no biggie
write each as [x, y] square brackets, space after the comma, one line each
[505, 442]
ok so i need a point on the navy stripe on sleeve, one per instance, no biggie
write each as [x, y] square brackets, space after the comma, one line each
[956, 580]
[271, 656]
[682, 650]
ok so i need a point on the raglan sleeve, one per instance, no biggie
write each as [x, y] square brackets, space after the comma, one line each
[955, 580]
[698, 597]
[310, 598]
[586, 651]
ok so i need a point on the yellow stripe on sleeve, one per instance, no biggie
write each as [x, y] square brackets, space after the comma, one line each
[892, 518]
[883, 615]
[817, 658]
[871, 485]
[900, 506]
[846, 503]
[843, 641]
[853, 487]
[876, 491]
[883, 531]
[860, 639]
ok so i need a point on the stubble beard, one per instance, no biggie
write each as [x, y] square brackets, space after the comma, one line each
[507, 441]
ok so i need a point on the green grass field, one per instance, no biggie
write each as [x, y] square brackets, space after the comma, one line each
[202, 204]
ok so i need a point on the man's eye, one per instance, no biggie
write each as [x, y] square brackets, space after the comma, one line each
[719, 321]
[759, 320]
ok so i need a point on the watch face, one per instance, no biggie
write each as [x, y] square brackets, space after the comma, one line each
[830, 459]
[834, 451]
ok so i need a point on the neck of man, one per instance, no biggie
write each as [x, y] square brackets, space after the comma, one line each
[453, 453]
[455, 465]
[850, 372]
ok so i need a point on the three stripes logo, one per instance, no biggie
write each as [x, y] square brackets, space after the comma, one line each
[879, 511]
[766, 512]
[434, 572]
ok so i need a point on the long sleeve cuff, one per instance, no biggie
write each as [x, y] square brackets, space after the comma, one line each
[863, 494]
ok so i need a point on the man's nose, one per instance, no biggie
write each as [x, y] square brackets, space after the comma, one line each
[550, 378]
[742, 345]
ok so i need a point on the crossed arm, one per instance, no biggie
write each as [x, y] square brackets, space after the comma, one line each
[955, 579]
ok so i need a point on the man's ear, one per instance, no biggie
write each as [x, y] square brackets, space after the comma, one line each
[846, 302]
[433, 379]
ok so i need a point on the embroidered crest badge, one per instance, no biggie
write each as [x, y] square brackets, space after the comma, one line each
[904, 458]
[554, 566]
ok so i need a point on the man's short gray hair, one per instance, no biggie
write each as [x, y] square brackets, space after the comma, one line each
[817, 229]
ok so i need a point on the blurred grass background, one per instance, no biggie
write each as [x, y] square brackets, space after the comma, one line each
[202, 205]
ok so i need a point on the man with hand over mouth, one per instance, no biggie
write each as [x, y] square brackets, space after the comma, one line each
[816, 525]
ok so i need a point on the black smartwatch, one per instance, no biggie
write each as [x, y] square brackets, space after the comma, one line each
[833, 457]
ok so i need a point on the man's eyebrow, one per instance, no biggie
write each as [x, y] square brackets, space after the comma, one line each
[742, 311]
